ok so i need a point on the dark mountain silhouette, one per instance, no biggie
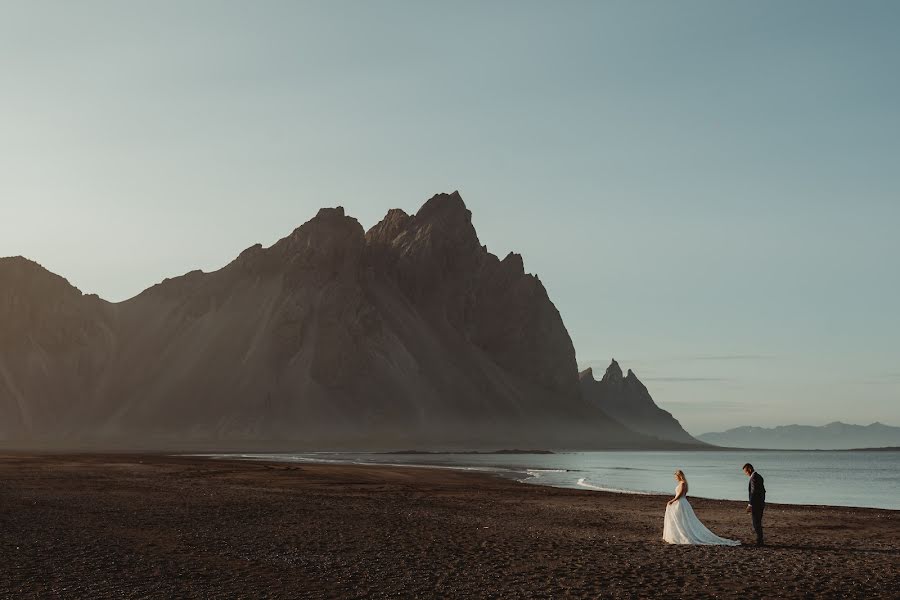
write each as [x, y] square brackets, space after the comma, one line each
[411, 335]
[834, 436]
[626, 399]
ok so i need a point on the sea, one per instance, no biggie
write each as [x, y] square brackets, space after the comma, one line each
[828, 478]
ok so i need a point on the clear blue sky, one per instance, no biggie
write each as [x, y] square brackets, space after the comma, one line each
[709, 190]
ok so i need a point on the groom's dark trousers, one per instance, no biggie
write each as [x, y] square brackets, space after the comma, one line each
[757, 491]
[756, 513]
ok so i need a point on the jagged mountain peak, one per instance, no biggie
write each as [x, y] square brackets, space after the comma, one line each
[336, 212]
[331, 241]
[444, 221]
[387, 232]
[445, 206]
[514, 262]
[443, 225]
[626, 399]
[330, 218]
[613, 372]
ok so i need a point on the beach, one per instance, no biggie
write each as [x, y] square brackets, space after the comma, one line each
[156, 526]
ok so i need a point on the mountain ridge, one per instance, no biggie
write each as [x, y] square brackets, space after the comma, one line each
[410, 334]
[833, 436]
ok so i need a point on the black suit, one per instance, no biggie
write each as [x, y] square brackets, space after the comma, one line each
[757, 490]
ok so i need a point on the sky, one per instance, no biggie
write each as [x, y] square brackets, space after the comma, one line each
[710, 191]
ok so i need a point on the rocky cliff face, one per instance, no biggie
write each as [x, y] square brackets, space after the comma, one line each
[626, 399]
[409, 335]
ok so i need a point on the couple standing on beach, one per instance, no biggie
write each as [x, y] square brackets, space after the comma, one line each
[681, 525]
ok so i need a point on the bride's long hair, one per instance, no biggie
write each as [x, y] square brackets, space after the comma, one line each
[679, 475]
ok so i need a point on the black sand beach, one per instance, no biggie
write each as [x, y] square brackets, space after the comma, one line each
[128, 526]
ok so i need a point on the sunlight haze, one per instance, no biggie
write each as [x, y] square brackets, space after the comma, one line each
[709, 191]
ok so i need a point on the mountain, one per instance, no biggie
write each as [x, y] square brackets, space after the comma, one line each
[54, 346]
[409, 335]
[834, 436]
[626, 399]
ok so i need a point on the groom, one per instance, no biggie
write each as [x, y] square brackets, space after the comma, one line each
[757, 501]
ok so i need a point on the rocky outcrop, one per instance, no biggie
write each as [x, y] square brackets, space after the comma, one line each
[626, 399]
[409, 335]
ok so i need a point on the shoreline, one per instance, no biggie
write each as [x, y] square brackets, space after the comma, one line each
[509, 473]
[161, 526]
[287, 447]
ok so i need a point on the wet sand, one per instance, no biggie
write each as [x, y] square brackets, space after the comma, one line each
[104, 526]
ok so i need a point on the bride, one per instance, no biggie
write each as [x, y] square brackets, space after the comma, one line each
[682, 526]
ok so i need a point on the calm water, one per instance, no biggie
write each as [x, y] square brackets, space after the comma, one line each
[870, 479]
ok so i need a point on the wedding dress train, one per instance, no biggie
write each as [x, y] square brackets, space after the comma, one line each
[682, 526]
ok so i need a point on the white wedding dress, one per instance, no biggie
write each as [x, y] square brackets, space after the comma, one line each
[682, 526]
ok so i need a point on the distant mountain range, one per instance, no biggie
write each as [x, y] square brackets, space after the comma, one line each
[410, 335]
[834, 436]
